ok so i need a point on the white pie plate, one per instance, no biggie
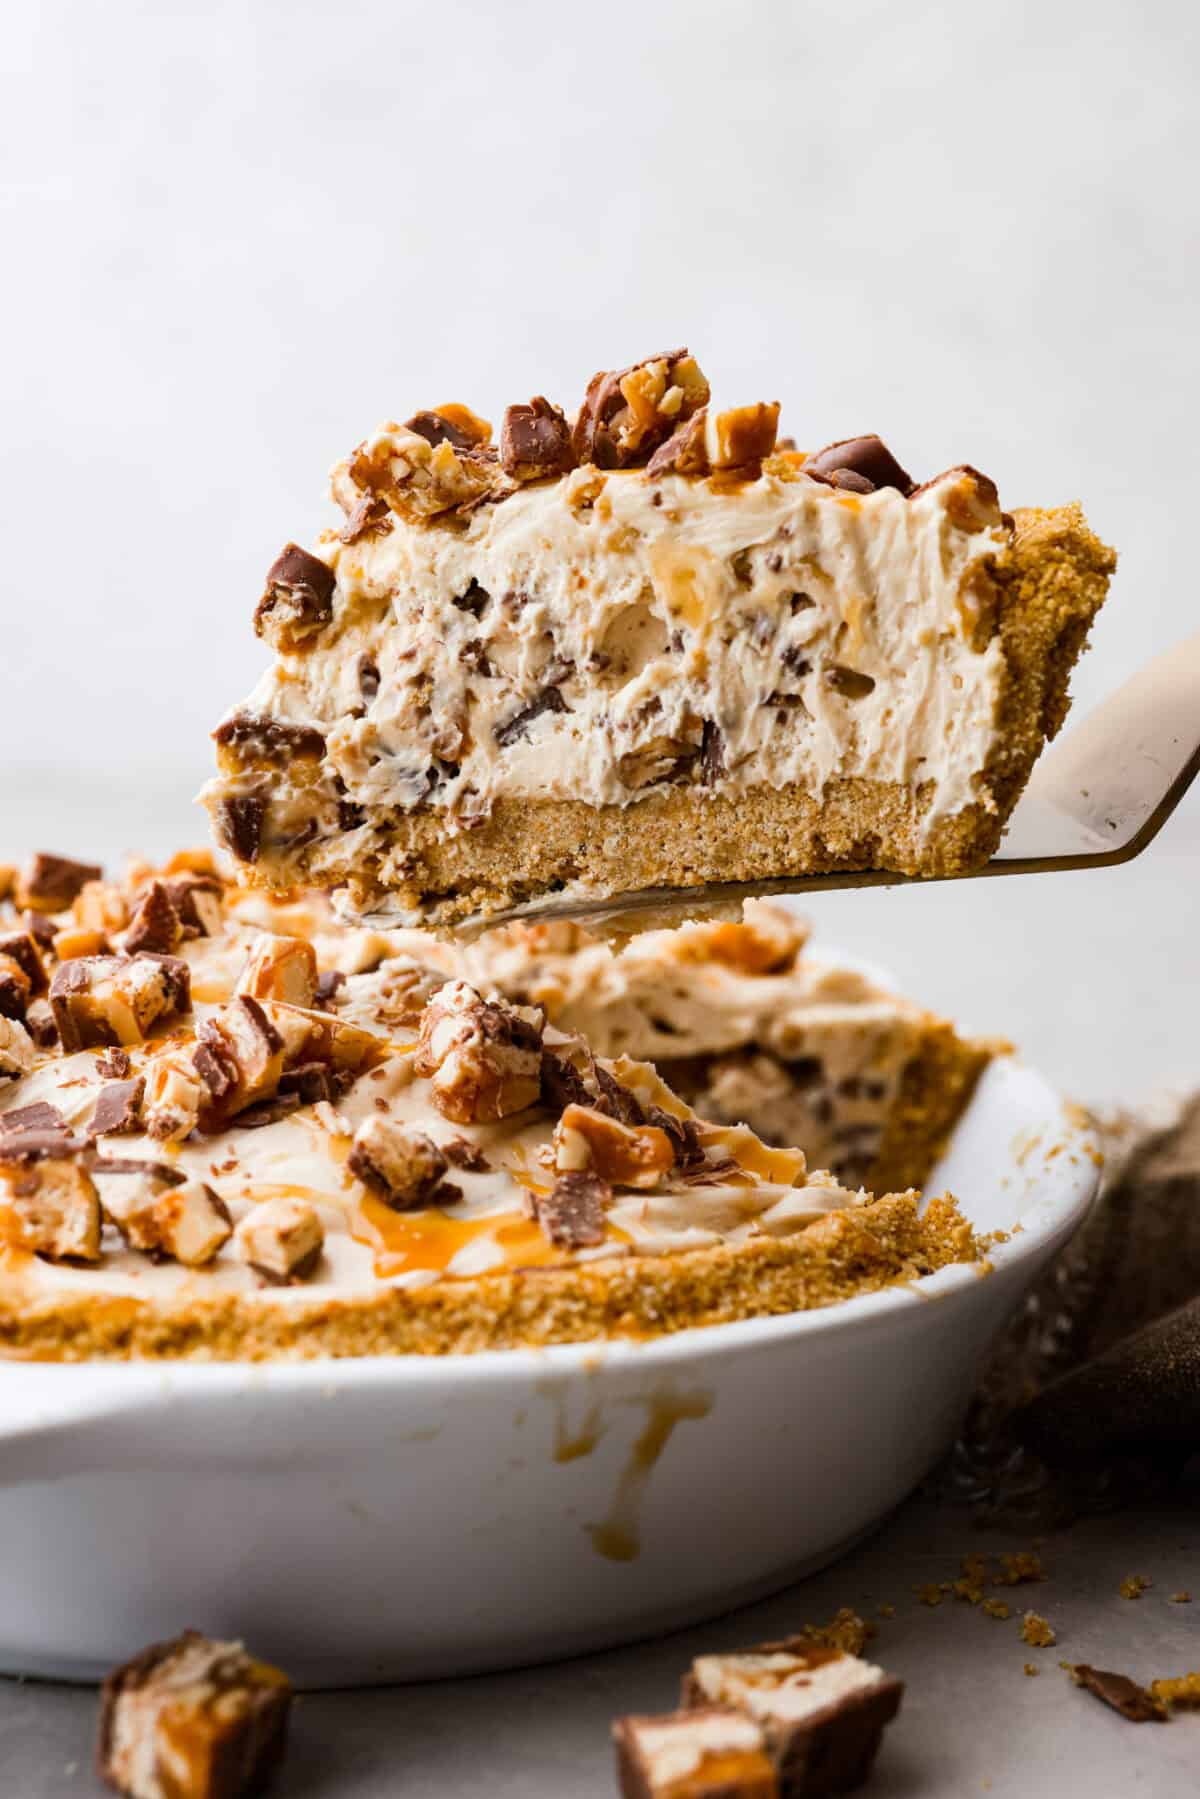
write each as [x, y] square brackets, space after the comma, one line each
[405, 1518]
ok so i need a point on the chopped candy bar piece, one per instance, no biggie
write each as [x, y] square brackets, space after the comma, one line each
[118, 1108]
[572, 1213]
[50, 883]
[101, 1000]
[629, 1156]
[823, 1711]
[16, 1048]
[173, 1097]
[23, 950]
[484, 1056]
[281, 968]
[155, 924]
[181, 1221]
[403, 1165]
[298, 601]
[701, 1754]
[1134, 1702]
[192, 1719]
[281, 1239]
[49, 1205]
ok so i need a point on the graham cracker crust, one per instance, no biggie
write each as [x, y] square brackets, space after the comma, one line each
[885, 1243]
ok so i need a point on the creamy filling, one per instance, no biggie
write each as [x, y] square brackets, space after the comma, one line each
[782, 1688]
[680, 1746]
[605, 637]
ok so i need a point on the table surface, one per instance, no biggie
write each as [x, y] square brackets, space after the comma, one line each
[1092, 975]
[972, 1721]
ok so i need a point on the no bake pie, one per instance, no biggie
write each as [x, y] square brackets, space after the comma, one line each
[232, 1127]
[747, 1023]
[646, 647]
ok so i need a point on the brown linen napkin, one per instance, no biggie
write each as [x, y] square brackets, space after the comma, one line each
[1092, 1396]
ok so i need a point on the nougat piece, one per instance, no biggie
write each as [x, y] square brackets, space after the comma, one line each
[50, 1201]
[483, 1056]
[192, 1719]
[281, 1239]
[703, 1754]
[822, 1711]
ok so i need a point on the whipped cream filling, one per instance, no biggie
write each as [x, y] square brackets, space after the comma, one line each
[603, 637]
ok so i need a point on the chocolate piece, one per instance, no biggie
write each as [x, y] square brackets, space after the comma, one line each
[155, 924]
[701, 1754]
[40, 1116]
[548, 700]
[41, 929]
[310, 1082]
[823, 1711]
[240, 1058]
[475, 600]
[165, 1173]
[366, 517]
[562, 1085]
[627, 413]
[988, 494]
[850, 481]
[851, 683]
[685, 451]
[239, 823]
[51, 882]
[266, 739]
[572, 1214]
[197, 902]
[195, 1718]
[114, 1064]
[39, 1022]
[118, 1108]
[368, 678]
[867, 456]
[712, 754]
[14, 989]
[466, 1155]
[1122, 1694]
[35, 1145]
[535, 441]
[454, 425]
[329, 983]
[22, 949]
[297, 602]
[99, 1000]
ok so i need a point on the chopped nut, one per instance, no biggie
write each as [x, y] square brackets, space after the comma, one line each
[402, 1165]
[1037, 1631]
[173, 1097]
[572, 1214]
[100, 906]
[50, 883]
[186, 1222]
[16, 1048]
[281, 968]
[627, 1155]
[535, 441]
[1031, 1668]
[627, 413]
[281, 1239]
[1181, 1598]
[99, 1000]
[155, 924]
[484, 1056]
[297, 602]
[53, 1206]
[194, 1719]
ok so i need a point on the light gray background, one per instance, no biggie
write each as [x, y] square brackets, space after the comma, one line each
[237, 236]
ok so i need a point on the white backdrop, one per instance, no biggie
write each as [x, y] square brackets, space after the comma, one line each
[238, 235]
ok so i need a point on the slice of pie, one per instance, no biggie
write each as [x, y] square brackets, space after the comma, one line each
[230, 1127]
[647, 648]
[749, 1025]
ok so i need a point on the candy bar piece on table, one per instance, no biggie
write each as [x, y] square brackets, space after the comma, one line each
[703, 1754]
[822, 1711]
[192, 1719]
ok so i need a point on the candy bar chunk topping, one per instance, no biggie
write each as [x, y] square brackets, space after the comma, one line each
[402, 1165]
[118, 1108]
[21, 947]
[822, 1710]
[627, 413]
[709, 1754]
[16, 1048]
[572, 1213]
[192, 1719]
[100, 1000]
[48, 1203]
[155, 924]
[484, 1057]
[174, 1094]
[281, 1239]
[535, 441]
[168, 1220]
[281, 968]
[50, 883]
[297, 602]
[433, 464]
[628, 1155]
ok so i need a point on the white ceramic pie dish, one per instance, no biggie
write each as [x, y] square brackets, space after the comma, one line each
[406, 1518]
